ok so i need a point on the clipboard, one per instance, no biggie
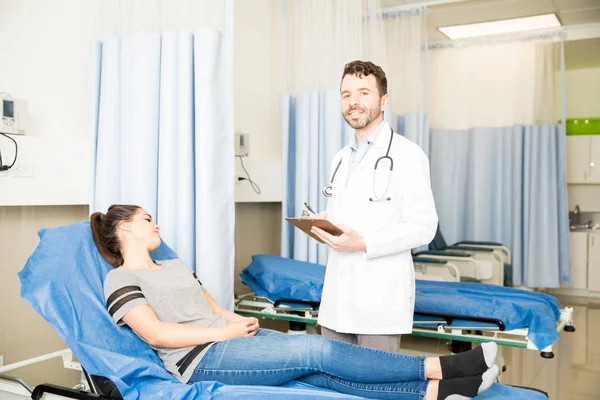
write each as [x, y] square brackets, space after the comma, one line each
[304, 224]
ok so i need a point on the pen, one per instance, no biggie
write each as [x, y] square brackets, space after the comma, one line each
[309, 208]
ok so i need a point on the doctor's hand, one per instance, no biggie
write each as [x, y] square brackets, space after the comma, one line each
[321, 215]
[350, 240]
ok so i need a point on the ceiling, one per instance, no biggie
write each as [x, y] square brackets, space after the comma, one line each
[578, 53]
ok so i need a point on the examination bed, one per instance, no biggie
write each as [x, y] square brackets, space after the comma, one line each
[291, 290]
[62, 281]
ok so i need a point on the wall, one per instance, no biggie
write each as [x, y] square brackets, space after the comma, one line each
[259, 74]
[23, 333]
[46, 48]
[583, 100]
[259, 80]
[47, 51]
[583, 92]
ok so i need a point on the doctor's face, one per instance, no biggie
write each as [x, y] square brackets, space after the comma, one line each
[361, 102]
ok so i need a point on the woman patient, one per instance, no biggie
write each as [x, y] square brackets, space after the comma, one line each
[168, 307]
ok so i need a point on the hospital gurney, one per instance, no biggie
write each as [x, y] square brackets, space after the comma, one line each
[446, 310]
[495, 253]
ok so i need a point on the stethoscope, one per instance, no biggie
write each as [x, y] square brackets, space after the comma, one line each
[328, 189]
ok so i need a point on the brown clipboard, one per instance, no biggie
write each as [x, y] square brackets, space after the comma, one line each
[305, 224]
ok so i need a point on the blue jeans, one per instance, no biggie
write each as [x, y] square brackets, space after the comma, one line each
[273, 358]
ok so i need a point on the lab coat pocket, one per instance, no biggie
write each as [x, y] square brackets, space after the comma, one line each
[380, 286]
[384, 214]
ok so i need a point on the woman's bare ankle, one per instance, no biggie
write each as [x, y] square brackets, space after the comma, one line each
[433, 368]
[432, 390]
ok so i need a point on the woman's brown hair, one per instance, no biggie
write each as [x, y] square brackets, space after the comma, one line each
[104, 231]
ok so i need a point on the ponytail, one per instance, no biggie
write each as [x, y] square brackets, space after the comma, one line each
[104, 231]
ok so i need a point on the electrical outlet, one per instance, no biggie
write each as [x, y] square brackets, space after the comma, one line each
[22, 170]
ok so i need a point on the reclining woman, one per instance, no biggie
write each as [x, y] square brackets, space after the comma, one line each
[168, 307]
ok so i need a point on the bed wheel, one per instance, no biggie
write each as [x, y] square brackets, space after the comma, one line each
[547, 354]
[569, 328]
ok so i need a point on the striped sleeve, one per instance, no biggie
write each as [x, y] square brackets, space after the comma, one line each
[200, 282]
[122, 293]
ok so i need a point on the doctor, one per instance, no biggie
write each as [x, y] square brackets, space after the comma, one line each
[380, 196]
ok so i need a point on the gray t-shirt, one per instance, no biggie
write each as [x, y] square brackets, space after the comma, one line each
[175, 295]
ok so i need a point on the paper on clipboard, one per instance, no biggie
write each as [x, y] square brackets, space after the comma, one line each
[305, 224]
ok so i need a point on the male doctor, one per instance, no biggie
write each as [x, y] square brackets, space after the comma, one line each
[385, 209]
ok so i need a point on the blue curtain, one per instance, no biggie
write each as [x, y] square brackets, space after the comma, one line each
[507, 185]
[313, 130]
[164, 140]
[413, 126]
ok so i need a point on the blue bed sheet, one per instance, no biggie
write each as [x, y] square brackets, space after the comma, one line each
[277, 277]
[62, 281]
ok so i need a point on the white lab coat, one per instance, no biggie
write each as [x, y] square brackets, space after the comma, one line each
[373, 292]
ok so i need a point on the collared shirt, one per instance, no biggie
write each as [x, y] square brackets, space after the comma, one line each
[358, 152]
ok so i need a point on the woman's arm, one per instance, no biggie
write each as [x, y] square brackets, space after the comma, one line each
[144, 321]
[218, 310]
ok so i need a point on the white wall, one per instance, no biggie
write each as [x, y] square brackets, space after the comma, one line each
[46, 49]
[583, 92]
[259, 80]
[583, 100]
[587, 197]
[259, 74]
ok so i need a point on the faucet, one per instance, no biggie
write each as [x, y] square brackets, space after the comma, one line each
[576, 209]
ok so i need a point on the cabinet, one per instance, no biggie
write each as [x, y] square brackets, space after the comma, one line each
[595, 158]
[583, 159]
[579, 259]
[594, 262]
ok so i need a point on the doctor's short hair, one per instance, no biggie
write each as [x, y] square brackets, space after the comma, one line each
[366, 68]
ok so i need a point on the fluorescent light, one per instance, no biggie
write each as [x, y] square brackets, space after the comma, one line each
[501, 27]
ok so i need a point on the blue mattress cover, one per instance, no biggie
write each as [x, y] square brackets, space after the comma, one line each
[62, 280]
[277, 277]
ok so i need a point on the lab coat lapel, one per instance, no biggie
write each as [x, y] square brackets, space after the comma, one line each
[343, 172]
[339, 187]
[377, 150]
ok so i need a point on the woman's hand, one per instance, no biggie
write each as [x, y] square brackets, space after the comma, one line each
[251, 325]
[246, 327]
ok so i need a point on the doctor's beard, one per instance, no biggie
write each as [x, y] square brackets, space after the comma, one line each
[367, 117]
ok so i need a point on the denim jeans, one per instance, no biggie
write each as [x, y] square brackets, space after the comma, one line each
[274, 358]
